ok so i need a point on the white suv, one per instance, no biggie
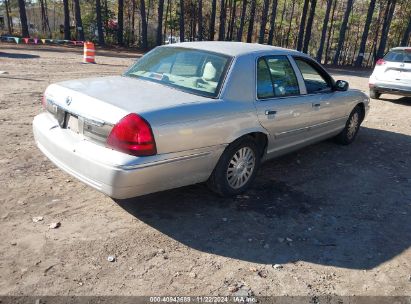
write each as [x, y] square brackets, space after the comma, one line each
[392, 74]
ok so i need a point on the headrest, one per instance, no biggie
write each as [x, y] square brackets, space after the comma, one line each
[209, 72]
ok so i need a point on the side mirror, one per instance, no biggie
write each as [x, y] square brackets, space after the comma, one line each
[341, 85]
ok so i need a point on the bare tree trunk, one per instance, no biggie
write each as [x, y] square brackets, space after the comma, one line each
[251, 23]
[221, 29]
[23, 19]
[47, 18]
[300, 39]
[67, 35]
[373, 52]
[105, 14]
[165, 21]
[144, 41]
[99, 23]
[160, 22]
[192, 18]
[264, 21]
[148, 11]
[120, 21]
[9, 21]
[357, 38]
[289, 25]
[309, 27]
[241, 28]
[127, 23]
[212, 21]
[389, 12]
[200, 20]
[279, 35]
[133, 17]
[407, 33]
[272, 22]
[43, 18]
[330, 33]
[232, 20]
[343, 30]
[347, 43]
[172, 24]
[324, 30]
[364, 37]
[79, 23]
[6, 2]
[230, 5]
[182, 29]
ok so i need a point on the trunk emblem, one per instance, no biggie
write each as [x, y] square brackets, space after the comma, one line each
[68, 100]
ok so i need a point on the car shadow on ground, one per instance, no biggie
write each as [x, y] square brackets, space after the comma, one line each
[17, 56]
[344, 206]
[405, 101]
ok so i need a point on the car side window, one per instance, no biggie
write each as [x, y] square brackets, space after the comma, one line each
[264, 83]
[283, 77]
[276, 78]
[315, 82]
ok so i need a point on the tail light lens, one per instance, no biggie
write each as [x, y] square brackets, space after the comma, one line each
[380, 62]
[44, 102]
[132, 135]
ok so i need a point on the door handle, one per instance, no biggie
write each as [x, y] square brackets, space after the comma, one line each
[316, 105]
[270, 112]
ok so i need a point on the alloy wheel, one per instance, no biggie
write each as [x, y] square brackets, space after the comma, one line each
[240, 167]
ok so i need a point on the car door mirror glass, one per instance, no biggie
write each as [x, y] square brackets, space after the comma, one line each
[341, 85]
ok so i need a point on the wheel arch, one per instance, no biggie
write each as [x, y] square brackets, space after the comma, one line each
[361, 105]
[260, 136]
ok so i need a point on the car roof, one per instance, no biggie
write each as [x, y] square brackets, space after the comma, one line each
[400, 48]
[234, 48]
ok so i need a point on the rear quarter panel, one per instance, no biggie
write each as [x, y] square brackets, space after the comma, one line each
[206, 124]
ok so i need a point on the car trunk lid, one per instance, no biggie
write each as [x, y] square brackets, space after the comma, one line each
[91, 107]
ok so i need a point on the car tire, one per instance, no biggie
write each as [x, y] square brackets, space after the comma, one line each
[236, 168]
[374, 94]
[352, 126]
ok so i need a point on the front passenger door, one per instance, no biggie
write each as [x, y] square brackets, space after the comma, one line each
[329, 111]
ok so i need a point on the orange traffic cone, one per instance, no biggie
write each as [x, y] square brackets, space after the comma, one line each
[89, 52]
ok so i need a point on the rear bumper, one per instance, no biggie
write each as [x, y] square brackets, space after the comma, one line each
[117, 174]
[391, 88]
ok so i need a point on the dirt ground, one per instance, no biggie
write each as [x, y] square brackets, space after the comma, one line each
[336, 219]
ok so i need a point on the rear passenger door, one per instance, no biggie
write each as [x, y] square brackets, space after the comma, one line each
[281, 108]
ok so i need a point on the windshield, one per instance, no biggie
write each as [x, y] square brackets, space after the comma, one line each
[398, 56]
[195, 71]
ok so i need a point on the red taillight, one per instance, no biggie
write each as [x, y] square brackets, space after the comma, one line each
[44, 101]
[380, 62]
[132, 135]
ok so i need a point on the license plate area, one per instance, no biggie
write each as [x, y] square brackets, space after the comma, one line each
[60, 115]
[72, 123]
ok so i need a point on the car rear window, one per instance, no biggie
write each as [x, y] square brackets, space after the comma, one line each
[398, 56]
[196, 71]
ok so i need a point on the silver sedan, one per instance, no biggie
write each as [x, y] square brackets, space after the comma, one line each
[194, 112]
